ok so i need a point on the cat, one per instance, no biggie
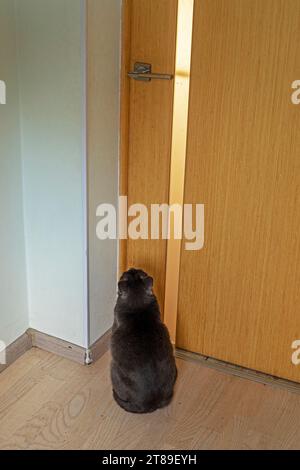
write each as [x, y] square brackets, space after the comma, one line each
[143, 369]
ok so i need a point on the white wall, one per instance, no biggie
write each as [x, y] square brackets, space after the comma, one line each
[42, 145]
[13, 292]
[51, 65]
[104, 23]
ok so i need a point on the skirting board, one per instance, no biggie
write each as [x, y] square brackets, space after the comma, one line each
[16, 349]
[33, 338]
[69, 350]
[238, 371]
[100, 347]
[36, 339]
[57, 346]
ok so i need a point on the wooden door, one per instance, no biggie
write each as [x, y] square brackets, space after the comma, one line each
[239, 297]
[149, 36]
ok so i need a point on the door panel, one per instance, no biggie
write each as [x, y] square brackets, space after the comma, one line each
[239, 297]
[153, 40]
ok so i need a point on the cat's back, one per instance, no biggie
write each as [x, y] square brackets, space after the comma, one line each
[143, 369]
[140, 338]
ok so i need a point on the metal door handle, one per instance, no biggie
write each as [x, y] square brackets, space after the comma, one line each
[143, 72]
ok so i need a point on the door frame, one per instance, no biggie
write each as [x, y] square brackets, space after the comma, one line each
[124, 116]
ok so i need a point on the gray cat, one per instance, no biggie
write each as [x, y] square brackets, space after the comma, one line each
[143, 369]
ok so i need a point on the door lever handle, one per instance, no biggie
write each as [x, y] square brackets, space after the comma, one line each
[143, 72]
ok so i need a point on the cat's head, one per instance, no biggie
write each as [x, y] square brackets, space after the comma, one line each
[135, 284]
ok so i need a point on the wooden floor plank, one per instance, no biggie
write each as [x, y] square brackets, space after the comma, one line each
[48, 402]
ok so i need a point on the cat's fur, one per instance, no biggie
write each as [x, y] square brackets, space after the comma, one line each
[143, 369]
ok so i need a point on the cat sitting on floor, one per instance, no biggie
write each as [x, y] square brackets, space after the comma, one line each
[143, 369]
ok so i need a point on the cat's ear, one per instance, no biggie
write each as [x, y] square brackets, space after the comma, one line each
[122, 288]
[148, 281]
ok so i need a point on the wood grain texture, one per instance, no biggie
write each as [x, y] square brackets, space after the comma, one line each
[48, 402]
[178, 154]
[239, 371]
[124, 116]
[153, 40]
[239, 297]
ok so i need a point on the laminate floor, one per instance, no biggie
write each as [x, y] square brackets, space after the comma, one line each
[47, 402]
